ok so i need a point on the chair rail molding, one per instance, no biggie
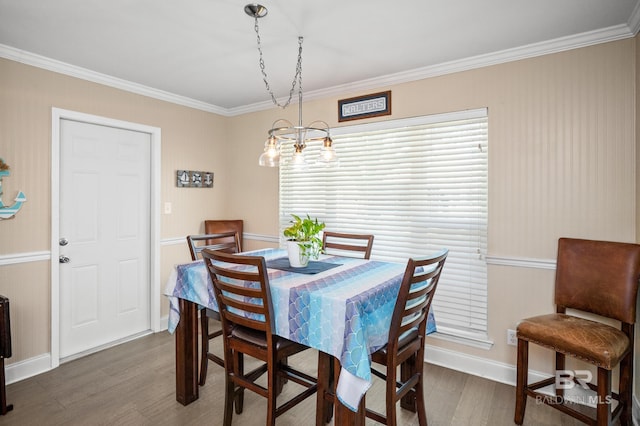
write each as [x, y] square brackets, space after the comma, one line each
[14, 258]
[521, 262]
[245, 235]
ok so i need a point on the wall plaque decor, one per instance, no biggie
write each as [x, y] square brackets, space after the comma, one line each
[367, 106]
[194, 179]
[7, 212]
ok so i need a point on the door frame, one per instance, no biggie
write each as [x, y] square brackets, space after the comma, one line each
[57, 115]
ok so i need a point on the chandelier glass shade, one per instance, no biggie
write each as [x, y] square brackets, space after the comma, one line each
[283, 131]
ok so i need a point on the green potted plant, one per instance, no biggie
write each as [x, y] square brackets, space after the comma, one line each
[303, 241]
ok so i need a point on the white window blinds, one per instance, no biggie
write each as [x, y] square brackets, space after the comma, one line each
[418, 185]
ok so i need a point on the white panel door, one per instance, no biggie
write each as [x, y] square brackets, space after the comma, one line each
[105, 235]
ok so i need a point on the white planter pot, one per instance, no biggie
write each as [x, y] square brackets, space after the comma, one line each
[296, 259]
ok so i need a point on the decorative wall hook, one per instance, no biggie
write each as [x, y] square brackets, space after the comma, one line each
[7, 212]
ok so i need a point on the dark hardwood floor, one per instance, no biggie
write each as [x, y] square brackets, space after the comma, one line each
[134, 384]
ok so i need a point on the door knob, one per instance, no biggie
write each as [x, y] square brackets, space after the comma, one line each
[63, 241]
[64, 259]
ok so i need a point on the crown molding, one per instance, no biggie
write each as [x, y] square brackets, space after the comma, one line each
[634, 20]
[576, 41]
[54, 65]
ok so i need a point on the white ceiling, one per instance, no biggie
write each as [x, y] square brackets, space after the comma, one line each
[203, 52]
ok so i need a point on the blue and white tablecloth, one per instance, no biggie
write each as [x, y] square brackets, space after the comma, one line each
[344, 311]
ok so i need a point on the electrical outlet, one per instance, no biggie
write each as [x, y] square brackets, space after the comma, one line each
[511, 338]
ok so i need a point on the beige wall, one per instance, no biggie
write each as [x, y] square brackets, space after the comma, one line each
[562, 141]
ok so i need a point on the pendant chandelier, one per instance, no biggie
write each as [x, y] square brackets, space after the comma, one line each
[283, 131]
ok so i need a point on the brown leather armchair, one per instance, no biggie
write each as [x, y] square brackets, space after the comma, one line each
[597, 277]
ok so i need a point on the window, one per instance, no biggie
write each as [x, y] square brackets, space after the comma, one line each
[418, 185]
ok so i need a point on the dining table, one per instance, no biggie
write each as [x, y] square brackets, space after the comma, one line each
[341, 306]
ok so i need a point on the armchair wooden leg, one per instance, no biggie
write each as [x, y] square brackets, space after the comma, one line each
[625, 389]
[603, 409]
[560, 366]
[521, 381]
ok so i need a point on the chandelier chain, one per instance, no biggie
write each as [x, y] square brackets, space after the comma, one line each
[297, 78]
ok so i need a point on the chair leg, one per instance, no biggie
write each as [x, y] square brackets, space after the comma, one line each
[420, 407]
[407, 370]
[272, 382]
[391, 396]
[560, 366]
[521, 381]
[238, 361]
[204, 346]
[625, 389]
[603, 409]
[229, 395]
[282, 380]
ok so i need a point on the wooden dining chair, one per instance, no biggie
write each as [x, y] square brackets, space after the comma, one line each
[347, 244]
[405, 347]
[597, 277]
[228, 242]
[216, 226]
[241, 288]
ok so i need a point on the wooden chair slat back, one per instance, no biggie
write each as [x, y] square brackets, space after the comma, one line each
[216, 226]
[225, 241]
[415, 296]
[346, 244]
[241, 288]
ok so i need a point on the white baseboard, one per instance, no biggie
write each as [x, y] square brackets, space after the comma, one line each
[636, 411]
[164, 323]
[476, 366]
[27, 368]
